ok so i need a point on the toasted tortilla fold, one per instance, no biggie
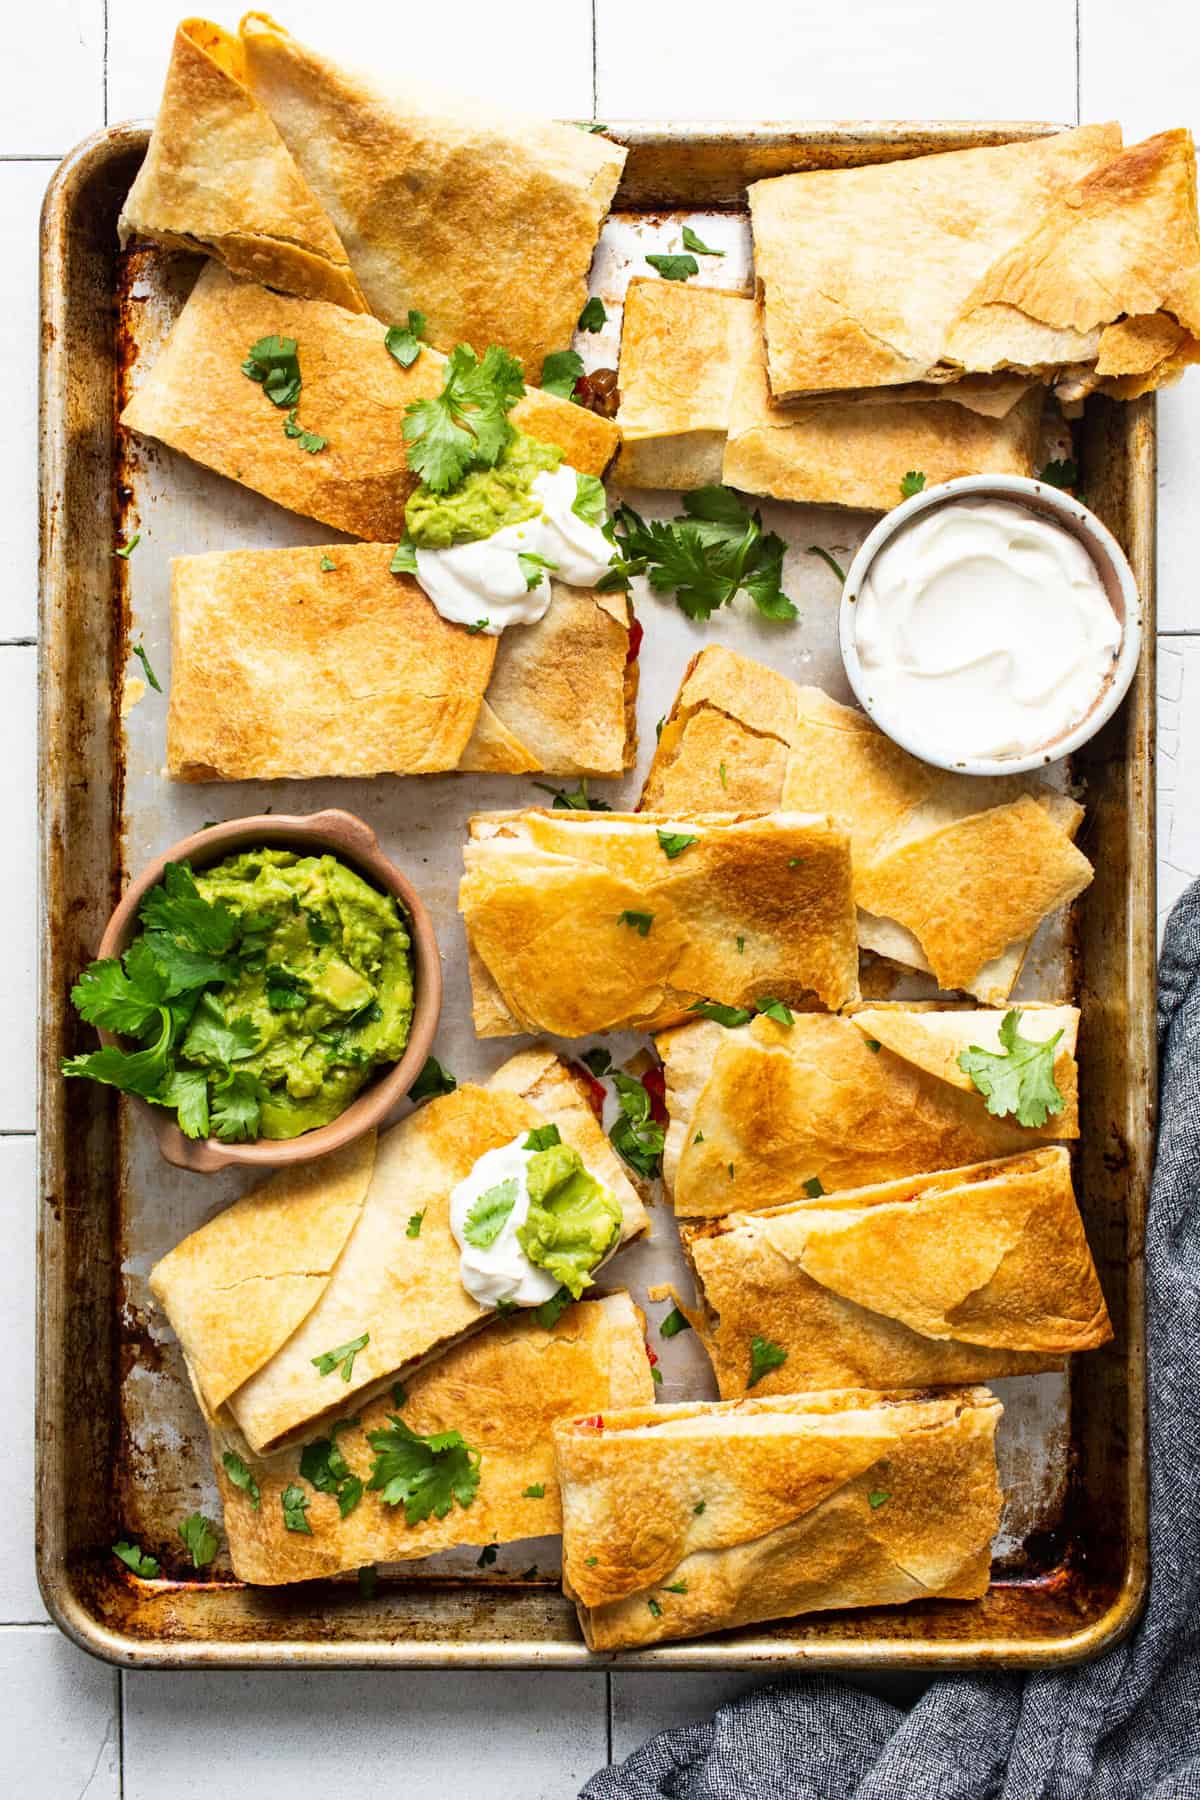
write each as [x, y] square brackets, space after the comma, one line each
[924, 841]
[731, 1512]
[403, 1292]
[354, 394]
[579, 922]
[484, 220]
[502, 1391]
[817, 1103]
[864, 271]
[218, 177]
[963, 1275]
[283, 667]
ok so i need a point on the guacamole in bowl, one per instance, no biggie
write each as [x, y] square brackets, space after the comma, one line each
[257, 996]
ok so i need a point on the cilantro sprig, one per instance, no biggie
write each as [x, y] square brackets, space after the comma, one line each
[1018, 1079]
[342, 1358]
[200, 1539]
[404, 341]
[274, 362]
[636, 1135]
[135, 1558]
[715, 551]
[425, 1475]
[466, 426]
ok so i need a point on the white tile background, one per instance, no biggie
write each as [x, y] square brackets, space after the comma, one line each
[71, 1729]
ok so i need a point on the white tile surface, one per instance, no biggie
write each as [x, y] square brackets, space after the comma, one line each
[60, 1733]
[423, 1735]
[527, 54]
[22, 185]
[878, 59]
[53, 76]
[18, 710]
[19, 1597]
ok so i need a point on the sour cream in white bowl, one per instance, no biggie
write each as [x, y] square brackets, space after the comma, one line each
[990, 624]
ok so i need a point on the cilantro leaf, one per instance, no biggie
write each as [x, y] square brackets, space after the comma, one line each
[1019, 1079]
[729, 1016]
[139, 650]
[770, 1008]
[590, 503]
[404, 558]
[200, 1539]
[674, 843]
[487, 1217]
[236, 1107]
[273, 362]
[673, 1324]
[216, 1041]
[542, 1137]
[674, 268]
[637, 921]
[764, 1356]
[877, 1498]
[551, 1311]
[576, 799]
[404, 341]
[134, 1071]
[814, 1187]
[125, 551]
[560, 371]
[184, 969]
[535, 1491]
[598, 1061]
[186, 1092]
[368, 1581]
[295, 1504]
[592, 125]
[343, 1357]
[467, 424]
[120, 999]
[327, 565]
[593, 317]
[655, 1609]
[635, 1135]
[487, 1556]
[136, 1559]
[323, 1464]
[241, 1477]
[692, 242]
[287, 992]
[1060, 474]
[413, 1228]
[912, 484]
[309, 440]
[816, 550]
[432, 1080]
[534, 568]
[177, 907]
[425, 1475]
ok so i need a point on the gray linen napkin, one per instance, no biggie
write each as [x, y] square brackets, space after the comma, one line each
[1125, 1727]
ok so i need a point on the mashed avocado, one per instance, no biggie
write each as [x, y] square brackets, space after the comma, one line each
[572, 1220]
[325, 981]
[485, 500]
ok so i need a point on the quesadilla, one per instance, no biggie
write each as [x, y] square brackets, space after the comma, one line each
[834, 1103]
[198, 399]
[680, 1520]
[579, 922]
[926, 844]
[218, 177]
[308, 662]
[256, 1320]
[963, 1275]
[500, 1391]
[484, 220]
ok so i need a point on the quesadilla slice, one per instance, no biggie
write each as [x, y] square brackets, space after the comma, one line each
[926, 843]
[580, 922]
[303, 663]
[255, 1346]
[964, 1275]
[483, 220]
[680, 1520]
[499, 1392]
[218, 177]
[198, 399]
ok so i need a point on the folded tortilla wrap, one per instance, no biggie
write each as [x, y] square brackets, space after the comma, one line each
[197, 399]
[841, 1101]
[580, 922]
[218, 177]
[501, 1391]
[252, 1314]
[284, 667]
[679, 1520]
[927, 844]
[484, 220]
[963, 1275]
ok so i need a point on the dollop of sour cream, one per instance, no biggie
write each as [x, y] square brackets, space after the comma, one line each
[502, 1271]
[987, 626]
[483, 585]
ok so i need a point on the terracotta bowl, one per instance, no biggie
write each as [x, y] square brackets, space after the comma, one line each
[353, 842]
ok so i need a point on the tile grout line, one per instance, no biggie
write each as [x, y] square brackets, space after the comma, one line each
[104, 66]
[595, 57]
[1078, 62]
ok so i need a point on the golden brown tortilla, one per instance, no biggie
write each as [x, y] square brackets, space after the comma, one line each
[218, 177]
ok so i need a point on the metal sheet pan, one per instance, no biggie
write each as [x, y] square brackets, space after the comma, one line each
[120, 1445]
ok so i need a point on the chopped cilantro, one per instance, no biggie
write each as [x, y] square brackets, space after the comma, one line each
[342, 1358]
[295, 1504]
[764, 1356]
[591, 1561]
[873, 1045]
[705, 557]
[404, 341]
[674, 843]
[415, 1220]
[425, 1475]
[576, 799]
[432, 1080]
[323, 1465]
[816, 550]
[1060, 474]
[488, 1215]
[560, 371]
[399, 1395]
[741, 946]
[658, 729]
[537, 1491]
[477, 627]
[146, 1567]
[877, 1497]
[675, 1587]
[597, 1060]
[673, 1324]
[729, 1016]
[692, 242]
[534, 568]
[588, 125]
[635, 1135]
[674, 268]
[723, 772]
[542, 1137]
[466, 426]
[1019, 1078]
[487, 1556]
[404, 558]
[593, 317]
[200, 1539]
[699, 1138]
[139, 650]
[770, 1008]
[590, 503]
[699, 1507]
[637, 921]
[239, 1474]
[327, 565]
[813, 1187]
[308, 440]
[551, 1311]
[273, 362]
[656, 1375]
[655, 1609]
[125, 551]
[912, 484]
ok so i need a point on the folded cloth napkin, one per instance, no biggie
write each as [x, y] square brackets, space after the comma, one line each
[1125, 1727]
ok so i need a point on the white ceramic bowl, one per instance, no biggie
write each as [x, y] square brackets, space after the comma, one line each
[1111, 565]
